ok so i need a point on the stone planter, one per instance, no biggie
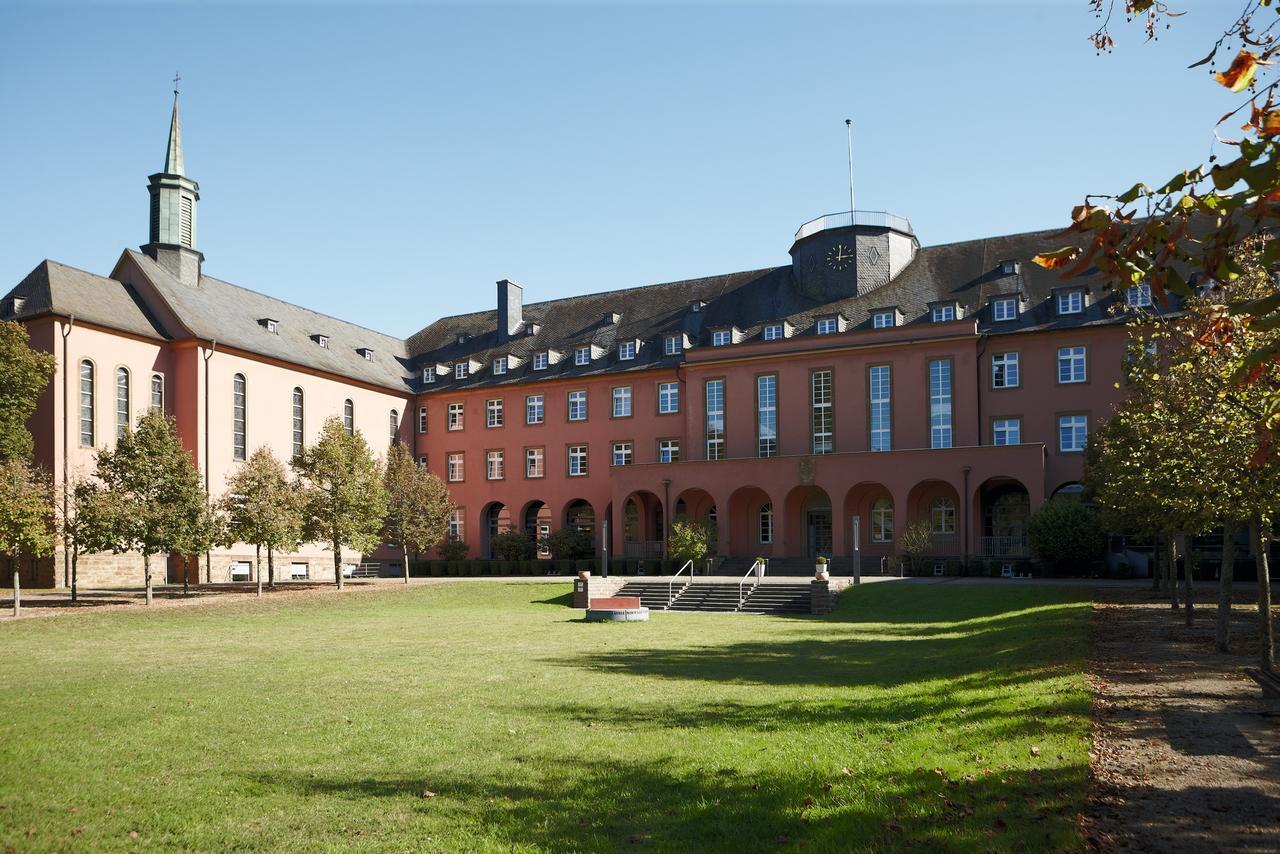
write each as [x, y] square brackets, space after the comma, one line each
[820, 572]
[584, 574]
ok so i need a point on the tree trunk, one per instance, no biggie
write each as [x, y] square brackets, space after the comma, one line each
[146, 573]
[1157, 568]
[1222, 636]
[271, 567]
[1188, 579]
[1171, 569]
[257, 566]
[75, 558]
[1260, 545]
[17, 587]
[405, 550]
[337, 563]
[186, 570]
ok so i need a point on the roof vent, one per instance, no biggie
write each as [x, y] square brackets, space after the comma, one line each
[366, 353]
[612, 317]
[16, 305]
[696, 305]
[322, 340]
[532, 328]
[269, 324]
[1010, 267]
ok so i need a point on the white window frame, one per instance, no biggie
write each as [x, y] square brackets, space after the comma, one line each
[422, 419]
[541, 360]
[456, 467]
[880, 406]
[714, 421]
[1138, 296]
[577, 455]
[822, 411]
[882, 521]
[461, 370]
[535, 409]
[721, 337]
[495, 465]
[767, 415]
[673, 345]
[457, 417]
[1070, 302]
[1005, 308]
[764, 524]
[623, 453]
[626, 351]
[941, 402]
[1071, 358]
[668, 450]
[826, 326]
[1005, 372]
[884, 319]
[428, 375]
[493, 413]
[577, 401]
[1006, 431]
[668, 398]
[535, 463]
[943, 313]
[621, 401]
[1079, 427]
[582, 355]
[500, 365]
[774, 332]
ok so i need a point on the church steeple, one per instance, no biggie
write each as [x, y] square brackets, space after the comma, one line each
[172, 238]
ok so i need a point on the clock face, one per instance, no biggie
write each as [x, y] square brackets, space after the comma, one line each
[839, 257]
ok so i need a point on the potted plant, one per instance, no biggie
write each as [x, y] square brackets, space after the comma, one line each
[760, 565]
[820, 569]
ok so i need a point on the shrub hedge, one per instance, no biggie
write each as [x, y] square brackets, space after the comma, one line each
[473, 568]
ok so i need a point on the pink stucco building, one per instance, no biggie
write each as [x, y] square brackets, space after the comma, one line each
[868, 382]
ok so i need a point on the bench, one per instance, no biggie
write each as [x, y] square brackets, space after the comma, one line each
[1270, 682]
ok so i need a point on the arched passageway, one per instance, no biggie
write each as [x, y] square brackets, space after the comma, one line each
[808, 522]
[1004, 506]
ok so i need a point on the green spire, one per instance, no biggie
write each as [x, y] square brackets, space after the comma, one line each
[173, 157]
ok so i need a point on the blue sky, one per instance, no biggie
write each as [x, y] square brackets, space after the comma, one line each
[388, 163]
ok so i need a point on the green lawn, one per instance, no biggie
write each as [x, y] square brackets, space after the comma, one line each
[926, 716]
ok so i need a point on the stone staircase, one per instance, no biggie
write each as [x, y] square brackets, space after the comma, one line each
[721, 596]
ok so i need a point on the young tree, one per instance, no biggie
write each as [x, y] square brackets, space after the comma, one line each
[26, 512]
[24, 373]
[1065, 535]
[418, 505]
[164, 503]
[263, 507]
[344, 501]
[914, 542]
[690, 540]
[94, 515]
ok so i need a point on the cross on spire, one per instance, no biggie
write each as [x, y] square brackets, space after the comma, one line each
[176, 77]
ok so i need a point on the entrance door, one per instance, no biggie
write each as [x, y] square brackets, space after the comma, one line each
[819, 533]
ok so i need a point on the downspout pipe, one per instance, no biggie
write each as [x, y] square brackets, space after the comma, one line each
[208, 554]
[66, 449]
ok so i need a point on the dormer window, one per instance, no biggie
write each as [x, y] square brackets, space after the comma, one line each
[366, 353]
[611, 317]
[1004, 308]
[582, 355]
[269, 325]
[1010, 268]
[884, 319]
[462, 337]
[626, 351]
[673, 345]
[461, 370]
[540, 361]
[500, 365]
[943, 313]
[773, 332]
[1070, 302]
[532, 328]
[1139, 296]
[721, 337]
[827, 325]
[17, 304]
[696, 305]
[429, 374]
[322, 340]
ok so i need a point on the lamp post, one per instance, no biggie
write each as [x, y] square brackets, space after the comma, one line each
[857, 550]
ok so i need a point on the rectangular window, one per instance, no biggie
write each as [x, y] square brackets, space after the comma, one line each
[456, 470]
[582, 355]
[1073, 430]
[766, 524]
[882, 521]
[668, 450]
[1139, 296]
[456, 530]
[879, 404]
[715, 419]
[668, 398]
[1071, 365]
[883, 320]
[672, 345]
[1006, 431]
[622, 453]
[827, 325]
[774, 332]
[577, 461]
[721, 337]
[943, 313]
[1070, 302]
[422, 461]
[429, 375]
[495, 465]
[767, 415]
[626, 351]
[540, 361]
[455, 416]
[461, 370]
[493, 413]
[821, 417]
[535, 462]
[500, 365]
[940, 403]
[533, 409]
[622, 402]
[1004, 309]
[422, 419]
[577, 406]
[1004, 370]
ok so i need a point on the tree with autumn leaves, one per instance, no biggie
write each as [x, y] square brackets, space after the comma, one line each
[1181, 455]
[418, 505]
[264, 507]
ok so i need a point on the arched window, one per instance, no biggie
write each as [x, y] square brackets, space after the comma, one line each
[766, 523]
[157, 392]
[882, 521]
[86, 404]
[393, 422]
[942, 516]
[298, 423]
[349, 416]
[122, 401]
[237, 417]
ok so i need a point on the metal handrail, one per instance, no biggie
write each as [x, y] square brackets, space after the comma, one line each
[671, 596]
[742, 597]
[844, 219]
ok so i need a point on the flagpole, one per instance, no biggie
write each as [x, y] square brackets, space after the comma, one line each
[848, 123]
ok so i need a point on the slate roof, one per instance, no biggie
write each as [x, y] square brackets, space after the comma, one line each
[966, 272]
[53, 288]
[229, 314]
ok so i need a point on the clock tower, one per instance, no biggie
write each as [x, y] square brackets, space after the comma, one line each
[844, 255]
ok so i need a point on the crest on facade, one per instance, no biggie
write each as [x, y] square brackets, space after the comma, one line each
[807, 471]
